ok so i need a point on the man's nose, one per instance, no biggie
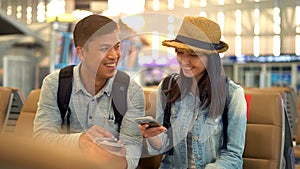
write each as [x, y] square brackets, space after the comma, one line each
[113, 53]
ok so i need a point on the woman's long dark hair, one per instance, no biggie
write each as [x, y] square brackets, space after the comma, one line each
[211, 86]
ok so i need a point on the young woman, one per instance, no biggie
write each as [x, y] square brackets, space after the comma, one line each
[199, 94]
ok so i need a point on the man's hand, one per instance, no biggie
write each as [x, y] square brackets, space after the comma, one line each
[100, 154]
[98, 132]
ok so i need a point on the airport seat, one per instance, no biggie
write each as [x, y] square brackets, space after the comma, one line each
[5, 102]
[289, 97]
[24, 126]
[150, 99]
[265, 131]
[11, 104]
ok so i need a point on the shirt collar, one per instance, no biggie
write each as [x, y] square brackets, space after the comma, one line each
[78, 85]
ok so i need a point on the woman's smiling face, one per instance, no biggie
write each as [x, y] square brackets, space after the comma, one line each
[192, 64]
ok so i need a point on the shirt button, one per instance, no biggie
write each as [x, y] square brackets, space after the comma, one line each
[199, 156]
[195, 138]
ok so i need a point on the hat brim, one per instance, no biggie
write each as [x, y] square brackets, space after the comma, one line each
[178, 45]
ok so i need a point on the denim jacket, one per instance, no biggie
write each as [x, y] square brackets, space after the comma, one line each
[207, 134]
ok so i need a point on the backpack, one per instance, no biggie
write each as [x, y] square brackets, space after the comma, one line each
[166, 85]
[118, 94]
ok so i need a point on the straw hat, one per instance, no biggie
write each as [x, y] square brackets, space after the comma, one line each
[198, 34]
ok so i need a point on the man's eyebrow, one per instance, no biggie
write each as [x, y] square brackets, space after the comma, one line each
[108, 45]
[104, 45]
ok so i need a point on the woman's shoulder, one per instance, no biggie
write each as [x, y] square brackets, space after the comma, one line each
[234, 87]
[233, 84]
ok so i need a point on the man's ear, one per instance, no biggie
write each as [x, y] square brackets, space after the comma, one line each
[79, 52]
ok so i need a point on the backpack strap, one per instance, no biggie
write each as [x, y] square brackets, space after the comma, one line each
[166, 85]
[225, 116]
[119, 96]
[64, 93]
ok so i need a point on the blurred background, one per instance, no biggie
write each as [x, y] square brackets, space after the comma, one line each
[264, 38]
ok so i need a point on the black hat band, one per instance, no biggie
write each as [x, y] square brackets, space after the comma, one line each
[198, 43]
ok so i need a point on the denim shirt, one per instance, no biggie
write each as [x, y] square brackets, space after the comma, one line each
[88, 110]
[207, 134]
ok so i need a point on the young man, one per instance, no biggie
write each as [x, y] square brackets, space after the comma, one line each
[92, 115]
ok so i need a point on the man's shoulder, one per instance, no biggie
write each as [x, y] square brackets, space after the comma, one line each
[134, 85]
[53, 76]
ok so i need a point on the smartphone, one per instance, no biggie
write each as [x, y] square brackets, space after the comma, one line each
[106, 139]
[109, 143]
[148, 120]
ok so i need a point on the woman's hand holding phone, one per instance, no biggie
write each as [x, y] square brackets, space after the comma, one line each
[149, 127]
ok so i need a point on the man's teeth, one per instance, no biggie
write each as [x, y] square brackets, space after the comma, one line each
[110, 64]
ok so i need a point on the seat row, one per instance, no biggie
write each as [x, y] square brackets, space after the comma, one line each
[267, 125]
